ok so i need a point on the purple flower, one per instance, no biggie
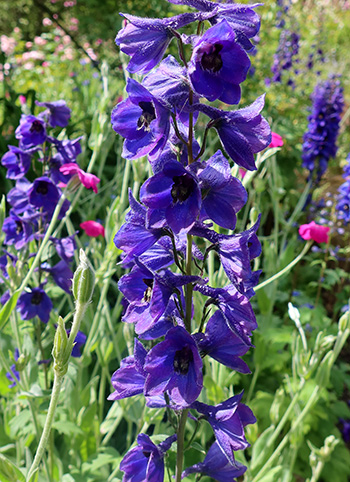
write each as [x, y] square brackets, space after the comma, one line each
[129, 379]
[343, 198]
[228, 420]
[243, 132]
[79, 342]
[31, 131]
[34, 303]
[146, 39]
[17, 162]
[176, 191]
[18, 230]
[44, 194]
[143, 121]
[175, 365]
[65, 247]
[222, 194]
[220, 343]
[216, 466]
[145, 462]
[13, 375]
[68, 149]
[58, 112]
[18, 196]
[218, 64]
[61, 273]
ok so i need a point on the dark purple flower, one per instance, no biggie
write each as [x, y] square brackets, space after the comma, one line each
[143, 121]
[216, 466]
[228, 420]
[343, 198]
[18, 230]
[145, 40]
[145, 462]
[345, 430]
[176, 191]
[34, 303]
[242, 18]
[129, 379]
[288, 49]
[17, 162]
[220, 343]
[68, 149]
[218, 64]
[31, 131]
[243, 132]
[175, 365]
[18, 196]
[61, 273]
[320, 139]
[65, 247]
[44, 194]
[79, 342]
[13, 375]
[222, 194]
[58, 112]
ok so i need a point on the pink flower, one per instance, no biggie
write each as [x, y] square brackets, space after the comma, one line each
[93, 228]
[22, 99]
[88, 180]
[314, 231]
[242, 172]
[276, 141]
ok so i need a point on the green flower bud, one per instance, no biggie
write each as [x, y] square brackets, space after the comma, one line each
[344, 322]
[2, 210]
[323, 372]
[59, 348]
[83, 280]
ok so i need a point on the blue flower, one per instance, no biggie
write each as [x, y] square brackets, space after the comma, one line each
[218, 64]
[13, 375]
[343, 198]
[58, 112]
[31, 131]
[217, 466]
[145, 462]
[17, 162]
[34, 303]
[175, 365]
[79, 342]
[143, 121]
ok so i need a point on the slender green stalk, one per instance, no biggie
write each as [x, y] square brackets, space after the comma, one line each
[189, 287]
[286, 269]
[180, 445]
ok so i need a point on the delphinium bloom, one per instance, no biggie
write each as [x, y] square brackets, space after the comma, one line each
[13, 375]
[319, 144]
[179, 204]
[285, 56]
[343, 198]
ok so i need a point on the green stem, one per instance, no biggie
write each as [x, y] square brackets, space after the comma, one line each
[189, 286]
[286, 269]
[180, 445]
[253, 383]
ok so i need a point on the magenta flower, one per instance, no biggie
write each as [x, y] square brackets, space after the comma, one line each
[88, 180]
[93, 228]
[276, 140]
[314, 231]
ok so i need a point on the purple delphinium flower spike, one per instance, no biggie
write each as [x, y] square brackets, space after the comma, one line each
[34, 303]
[175, 365]
[58, 112]
[222, 194]
[218, 64]
[143, 121]
[31, 131]
[217, 466]
[129, 379]
[243, 132]
[220, 343]
[13, 375]
[17, 162]
[145, 462]
[228, 420]
[176, 191]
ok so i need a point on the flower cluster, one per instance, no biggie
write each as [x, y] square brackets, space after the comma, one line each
[40, 165]
[343, 204]
[286, 55]
[320, 139]
[179, 204]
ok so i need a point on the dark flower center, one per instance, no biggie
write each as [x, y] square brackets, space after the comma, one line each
[182, 360]
[19, 228]
[147, 116]
[148, 293]
[36, 126]
[42, 188]
[182, 188]
[146, 454]
[36, 298]
[212, 61]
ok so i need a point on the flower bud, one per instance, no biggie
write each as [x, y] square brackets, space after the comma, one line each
[2, 210]
[59, 348]
[344, 322]
[323, 372]
[83, 280]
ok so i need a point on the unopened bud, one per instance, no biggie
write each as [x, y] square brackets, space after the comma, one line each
[253, 216]
[344, 322]
[59, 348]
[323, 372]
[83, 280]
[327, 342]
[2, 210]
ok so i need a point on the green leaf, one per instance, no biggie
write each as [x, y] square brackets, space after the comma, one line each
[7, 309]
[9, 472]
[273, 474]
[67, 427]
[264, 301]
[260, 447]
